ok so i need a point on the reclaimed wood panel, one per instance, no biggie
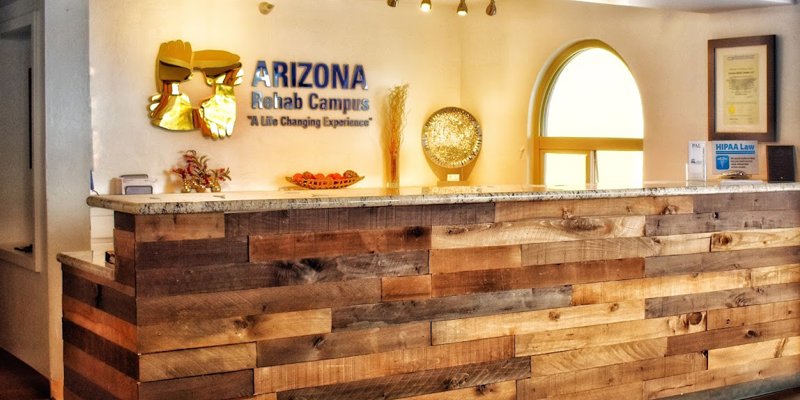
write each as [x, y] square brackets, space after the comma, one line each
[174, 227]
[203, 333]
[154, 310]
[535, 231]
[460, 330]
[375, 315]
[689, 243]
[588, 250]
[733, 336]
[331, 244]
[418, 383]
[664, 306]
[660, 225]
[541, 387]
[124, 244]
[358, 218]
[593, 357]
[121, 359]
[189, 253]
[102, 324]
[747, 202]
[745, 353]
[515, 211]
[329, 372]
[716, 378]
[343, 344]
[536, 276]
[758, 389]
[492, 391]
[473, 259]
[607, 334]
[124, 221]
[720, 261]
[229, 277]
[629, 391]
[207, 387]
[775, 275]
[757, 314]
[756, 239]
[196, 362]
[406, 288]
[662, 286]
[99, 296]
[106, 378]
[84, 388]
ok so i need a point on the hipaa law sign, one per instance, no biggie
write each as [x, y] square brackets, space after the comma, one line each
[736, 155]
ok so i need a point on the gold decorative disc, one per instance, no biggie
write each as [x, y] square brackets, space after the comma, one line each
[451, 138]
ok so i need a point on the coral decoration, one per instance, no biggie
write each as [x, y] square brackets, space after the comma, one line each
[196, 175]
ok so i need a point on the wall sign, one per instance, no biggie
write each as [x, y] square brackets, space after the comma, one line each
[170, 109]
[293, 86]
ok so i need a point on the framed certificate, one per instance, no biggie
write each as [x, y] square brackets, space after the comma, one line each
[741, 89]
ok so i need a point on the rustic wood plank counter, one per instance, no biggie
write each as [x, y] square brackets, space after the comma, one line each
[440, 293]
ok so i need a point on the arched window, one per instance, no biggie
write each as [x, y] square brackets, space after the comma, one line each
[588, 125]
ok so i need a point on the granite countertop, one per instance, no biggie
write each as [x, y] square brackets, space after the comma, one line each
[189, 203]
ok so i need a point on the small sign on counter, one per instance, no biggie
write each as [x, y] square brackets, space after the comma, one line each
[736, 155]
[696, 161]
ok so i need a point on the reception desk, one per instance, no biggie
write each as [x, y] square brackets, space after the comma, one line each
[440, 293]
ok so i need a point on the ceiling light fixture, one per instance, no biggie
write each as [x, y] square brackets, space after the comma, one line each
[462, 8]
[425, 6]
[391, 3]
[491, 10]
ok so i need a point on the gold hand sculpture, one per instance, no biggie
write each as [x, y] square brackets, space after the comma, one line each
[217, 114]
[172, 109]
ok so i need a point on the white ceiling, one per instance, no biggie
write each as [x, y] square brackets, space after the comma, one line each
[705, 6]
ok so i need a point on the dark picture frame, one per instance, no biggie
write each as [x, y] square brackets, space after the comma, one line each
[741, 89]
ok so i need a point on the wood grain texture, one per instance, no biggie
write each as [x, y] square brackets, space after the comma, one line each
[628, 391]
[154, 310]
[98, 279]
[460, 330]
[106, 378]
[541, 387]
[775, 275]
[203, 333]
[350, 369]
[343, 344]
[206, 387]
[473, 259]
[733, 336]
[124, 221]
[660, 225]
[109, 353]
[493, 391]
[535, 231]
[747, 202]
[331, 244]
[229, 277]
[593, 357]
[720, 261]
[196, 362]
[515, 211]
[99, 296]
[662, 286]
[406, 288]
[174, 227]
[750, 315]
[536, 276]
[189, 253]
[124, 244]
[359, 218]
[418, 383]
[588, 250]
[755, 239]
[102, 324]
[663, 306]
[778, 388]
[716, 378]
[607, 334]
[375, 315]
[743, 354]
[79, 387]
